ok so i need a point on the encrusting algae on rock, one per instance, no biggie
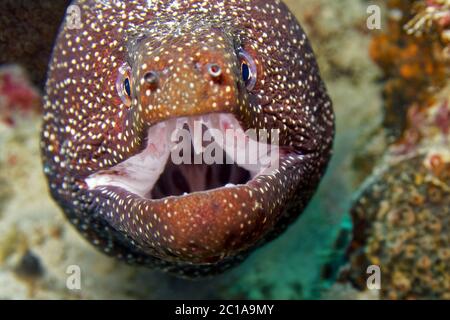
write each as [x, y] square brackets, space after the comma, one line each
[402, 224]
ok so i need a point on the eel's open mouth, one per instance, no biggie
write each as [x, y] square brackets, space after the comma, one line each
[201, 190]
[193, 154]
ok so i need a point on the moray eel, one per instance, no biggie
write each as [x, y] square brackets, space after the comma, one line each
[128, 74]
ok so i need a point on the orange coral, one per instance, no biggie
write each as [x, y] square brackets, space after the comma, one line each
[414, 65]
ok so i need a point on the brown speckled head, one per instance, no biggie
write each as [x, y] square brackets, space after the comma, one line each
[118, 85]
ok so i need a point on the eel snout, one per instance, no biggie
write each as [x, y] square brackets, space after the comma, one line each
[192, 76]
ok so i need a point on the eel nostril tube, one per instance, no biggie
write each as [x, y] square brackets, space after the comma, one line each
[214, 70]
[151, 78]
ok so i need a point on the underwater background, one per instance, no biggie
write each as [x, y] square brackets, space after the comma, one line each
[384, 201]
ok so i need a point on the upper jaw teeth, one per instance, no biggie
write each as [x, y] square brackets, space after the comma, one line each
[139, 173]
[226, 131]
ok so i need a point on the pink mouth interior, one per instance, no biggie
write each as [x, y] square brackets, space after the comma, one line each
[152, 174]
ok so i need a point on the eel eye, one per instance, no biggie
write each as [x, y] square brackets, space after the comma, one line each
[126, 86]
[123, 84]
[246, 75]
[248, 69]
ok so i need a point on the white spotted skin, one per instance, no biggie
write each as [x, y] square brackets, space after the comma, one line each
[88, 128]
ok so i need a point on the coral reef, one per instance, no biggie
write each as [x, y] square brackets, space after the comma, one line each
[433, 17]
[402, 223]
[412, 52]
[401, 219]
